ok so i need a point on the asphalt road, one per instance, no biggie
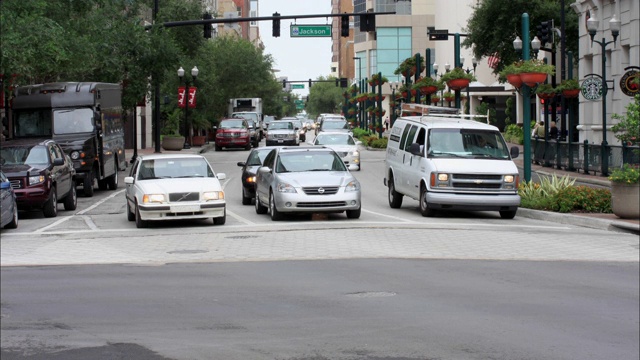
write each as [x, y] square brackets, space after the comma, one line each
[390, 285]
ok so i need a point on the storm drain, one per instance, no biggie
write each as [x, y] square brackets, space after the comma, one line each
[182, 252]
[371, 294]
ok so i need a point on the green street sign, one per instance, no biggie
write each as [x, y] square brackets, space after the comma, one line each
[299, 106]
[310, 31]
[297, 86]
[298, 102]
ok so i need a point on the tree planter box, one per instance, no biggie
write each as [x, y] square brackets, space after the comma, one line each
[625, 200]
[172, 143]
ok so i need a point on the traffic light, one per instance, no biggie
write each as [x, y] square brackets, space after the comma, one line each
[276, 25]
[544, 31]
[343, 83]
[310, 83]
[367, 22]
[207, 27]
[344, 25]
[284, 84]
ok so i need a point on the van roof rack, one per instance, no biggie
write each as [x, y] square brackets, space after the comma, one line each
[430, 110]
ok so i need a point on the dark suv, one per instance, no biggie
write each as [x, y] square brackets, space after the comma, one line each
[40, 174]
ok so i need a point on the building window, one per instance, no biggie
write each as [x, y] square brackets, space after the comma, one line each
[393, 46]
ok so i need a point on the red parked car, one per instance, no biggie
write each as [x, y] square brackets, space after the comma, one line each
[233, 133]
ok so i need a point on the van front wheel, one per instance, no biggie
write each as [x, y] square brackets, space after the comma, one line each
[395, 198]
[424, 205]
[508, 214]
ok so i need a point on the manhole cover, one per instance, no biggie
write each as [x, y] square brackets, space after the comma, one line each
[369, 294]
[187, 252]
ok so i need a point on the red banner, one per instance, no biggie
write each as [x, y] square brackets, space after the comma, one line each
[181, 97]
[192, 97]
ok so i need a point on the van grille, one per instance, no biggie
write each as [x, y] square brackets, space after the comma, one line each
[476, 181]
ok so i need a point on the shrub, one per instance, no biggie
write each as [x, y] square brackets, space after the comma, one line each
[583, 198]
[379, 143]
[514, 134]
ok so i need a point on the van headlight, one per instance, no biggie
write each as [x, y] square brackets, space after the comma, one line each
[439, 180]
[510, 182]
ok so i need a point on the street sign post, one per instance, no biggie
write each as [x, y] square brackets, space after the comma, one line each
[297, 86]
[310, 31]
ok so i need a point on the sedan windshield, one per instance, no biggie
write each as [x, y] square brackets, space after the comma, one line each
[305, 161]
[174, 168]
[335, 125]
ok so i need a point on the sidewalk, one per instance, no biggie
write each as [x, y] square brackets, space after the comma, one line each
[592, 220]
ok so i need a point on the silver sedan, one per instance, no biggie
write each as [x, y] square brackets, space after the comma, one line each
[343, 144]
[306, 180]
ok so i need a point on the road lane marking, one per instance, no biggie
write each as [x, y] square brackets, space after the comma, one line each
[62, 220]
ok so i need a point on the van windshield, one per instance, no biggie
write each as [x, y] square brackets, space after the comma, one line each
[468, 143]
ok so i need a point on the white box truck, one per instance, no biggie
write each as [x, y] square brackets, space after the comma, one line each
[248, 108]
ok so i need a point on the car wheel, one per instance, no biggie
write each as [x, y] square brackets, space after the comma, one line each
[395, 198]
[246, 200]
[87, 185]
[71, 200]
[424, 205]
[112, 181]
[14, 221]
[508, 214]
[130, 215]
[260, 209]
[218, 148]
[273, 211]
[102, 184]
[139, 222]
[354, 214]
[220, 220]
[50, 208]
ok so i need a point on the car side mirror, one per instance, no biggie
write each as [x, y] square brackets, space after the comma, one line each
[241, 163]
[128, 180]
[58, 161]
[221, 176]
[264, 169]
[353, 167]
[5, 185]
[515, 152]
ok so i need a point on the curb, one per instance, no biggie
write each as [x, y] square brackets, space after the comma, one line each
[582, 221]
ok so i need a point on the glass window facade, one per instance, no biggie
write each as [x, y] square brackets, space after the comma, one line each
[393, 46]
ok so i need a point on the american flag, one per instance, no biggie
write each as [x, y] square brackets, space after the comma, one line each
[493, 60]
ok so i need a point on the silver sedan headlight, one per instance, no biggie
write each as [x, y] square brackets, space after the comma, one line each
[353, 185]
[285, 188]
[153, 198]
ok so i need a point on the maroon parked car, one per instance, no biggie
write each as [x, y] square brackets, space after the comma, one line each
[233, 133]
[40, 173]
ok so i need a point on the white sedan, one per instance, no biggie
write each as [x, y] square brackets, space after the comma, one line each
[344, 144]
[174, 187]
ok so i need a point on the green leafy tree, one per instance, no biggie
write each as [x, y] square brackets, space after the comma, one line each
[325, 97]
[494, 24]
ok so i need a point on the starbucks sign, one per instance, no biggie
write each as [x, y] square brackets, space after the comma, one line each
[592, 88]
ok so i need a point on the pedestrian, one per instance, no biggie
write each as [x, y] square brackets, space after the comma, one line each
[553, 131]
[540, 130]
[386, 123]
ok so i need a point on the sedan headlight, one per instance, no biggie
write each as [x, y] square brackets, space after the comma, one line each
[36, 179]
[213, 195]
[285, 188]
[355, 153]
[353, 185]
[153, 198]
[251, 179]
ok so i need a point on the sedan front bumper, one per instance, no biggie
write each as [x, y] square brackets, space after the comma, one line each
[302, 203]
[187, 210]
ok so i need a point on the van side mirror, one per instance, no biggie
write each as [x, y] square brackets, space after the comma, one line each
[515, 152]
[414, 149]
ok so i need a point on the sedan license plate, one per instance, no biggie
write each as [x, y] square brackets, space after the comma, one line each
[185, 208]
[280, 140]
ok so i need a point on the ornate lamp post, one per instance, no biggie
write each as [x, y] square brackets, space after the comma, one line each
[614, 26]
[194, 74]
[474, 63]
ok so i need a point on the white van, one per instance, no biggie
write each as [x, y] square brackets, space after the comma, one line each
[449, 163]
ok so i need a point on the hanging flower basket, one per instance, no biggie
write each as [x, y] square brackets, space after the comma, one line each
[413, 92]
[435, 99]
[571, 94]
[449, 99]
[533, 79]
[458, 84]
[546, 96]
[515, 80]
[428, 90]
[404, 94]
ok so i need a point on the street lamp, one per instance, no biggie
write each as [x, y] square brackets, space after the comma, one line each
[194, 74]
[614, 26]
[474, 63]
